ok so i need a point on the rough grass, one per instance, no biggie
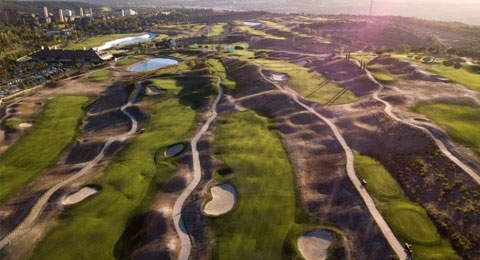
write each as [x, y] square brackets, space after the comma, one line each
[260, 223]
[130, 60]
[274, 25]
[92, 228]
[465, 76]
[461, 122]
[98, 40]
[99, 76]
[409, 221]
[41, 145]
[259, 33]
[227, 83]
[305, 82]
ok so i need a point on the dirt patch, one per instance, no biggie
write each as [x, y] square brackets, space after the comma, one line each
[114, 121]
[83, 152]
[314, 245]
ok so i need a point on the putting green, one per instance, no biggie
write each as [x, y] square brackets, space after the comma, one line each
[413, 223]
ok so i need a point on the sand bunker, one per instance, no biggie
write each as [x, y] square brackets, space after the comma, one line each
[79, 195]
[153, 91]
[223, 199]
[25, 125]
[174, 149]
[279, 77]
[313, 245]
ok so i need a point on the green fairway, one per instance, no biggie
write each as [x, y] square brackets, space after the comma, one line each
[409, 221]
[305, 82]
[130, 60]
[98, 40]
[252, 31]
[381, 74]
[461, 122]
[92, 229]
[275, 26]
[100, 76]
[217, 29]
[264, 179]
[227, 83]
[467, 76]
[41, 145]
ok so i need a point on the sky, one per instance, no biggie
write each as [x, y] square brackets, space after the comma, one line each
[467, 11]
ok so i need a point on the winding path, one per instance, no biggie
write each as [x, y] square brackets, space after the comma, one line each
[186, 244]
[383, 226]
[37, 209]
[389, 111]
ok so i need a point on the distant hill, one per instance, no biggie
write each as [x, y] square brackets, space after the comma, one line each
[465, 11]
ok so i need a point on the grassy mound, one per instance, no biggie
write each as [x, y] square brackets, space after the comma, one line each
[98, 41]
[130, 60]
[259, 33]
[129, 183]
[99, 76]
[461, 122]
[41, 145]
[263, 176]
[409, 221]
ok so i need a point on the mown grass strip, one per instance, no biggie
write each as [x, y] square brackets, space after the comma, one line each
[461, 122]
[92, 228]
[408, 220]
[227, 83]
[260, 223]
[41, 145]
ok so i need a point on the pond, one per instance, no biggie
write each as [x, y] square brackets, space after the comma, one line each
[153, 64]
[252, 24]
[126, 40]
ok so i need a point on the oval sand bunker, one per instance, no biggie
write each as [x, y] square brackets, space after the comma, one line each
[174, 149]
[314, 245]
[223, 199]
[153, 91]
[79, 195]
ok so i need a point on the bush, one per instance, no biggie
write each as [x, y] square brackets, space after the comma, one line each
[238, 47]
[448, 63]
[418, 57]
[457, 65]
[427, 59]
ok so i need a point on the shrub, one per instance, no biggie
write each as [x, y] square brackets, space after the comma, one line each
[448, 63]
[457, 65]
[427, 59]
[418, 57]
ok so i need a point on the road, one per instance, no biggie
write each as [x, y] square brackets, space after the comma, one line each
[382, 225]
[37, 209]
[186, 245]
[389, 111]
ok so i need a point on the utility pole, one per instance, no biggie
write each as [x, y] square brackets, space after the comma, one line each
[371, 7]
